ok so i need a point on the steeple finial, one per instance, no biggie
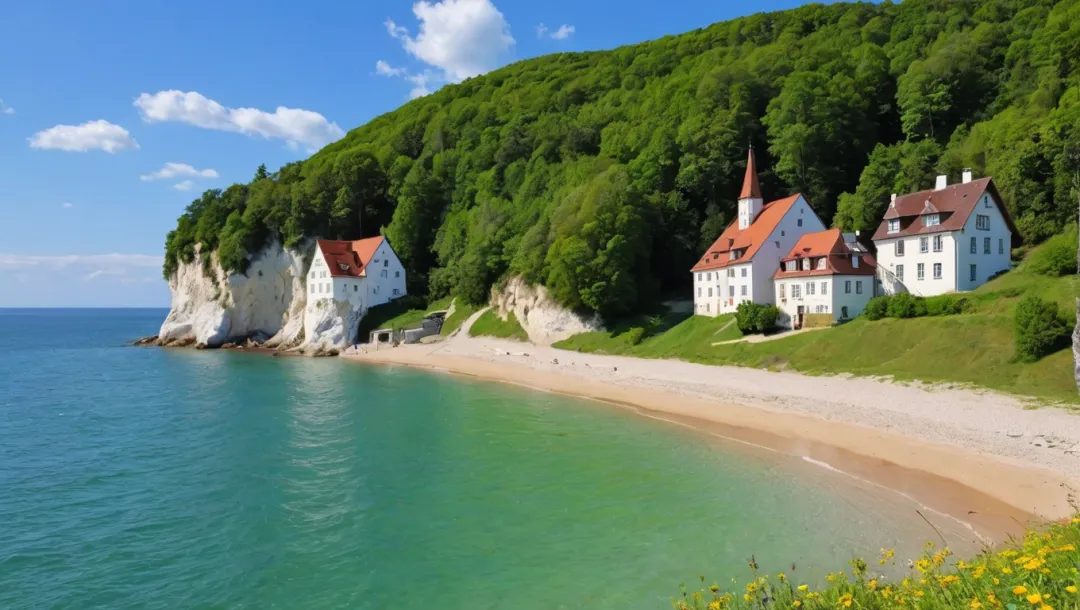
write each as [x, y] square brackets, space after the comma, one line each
[750, 187]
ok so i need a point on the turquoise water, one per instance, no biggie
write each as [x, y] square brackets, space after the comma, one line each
[150, 478]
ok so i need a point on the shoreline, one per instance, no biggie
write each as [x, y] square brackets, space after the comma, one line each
[993, 494]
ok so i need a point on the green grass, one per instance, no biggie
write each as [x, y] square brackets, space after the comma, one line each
[974, 348]
[665, 336]
[491, 325]
[401, 313]
[462, 311]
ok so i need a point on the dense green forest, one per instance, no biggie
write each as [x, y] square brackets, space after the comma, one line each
[603, 175]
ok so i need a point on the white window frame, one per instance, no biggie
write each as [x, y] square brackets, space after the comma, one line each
[921, 271]
[898, 247]
[924, 245]
[931, 220]
[937, 271]
[847, 286]
[900, 272]
[824, 289]
[938, 243]
[894, 225]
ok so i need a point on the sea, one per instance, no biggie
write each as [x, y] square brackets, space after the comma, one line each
[138, 477]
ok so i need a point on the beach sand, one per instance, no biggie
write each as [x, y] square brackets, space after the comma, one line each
[981, 457]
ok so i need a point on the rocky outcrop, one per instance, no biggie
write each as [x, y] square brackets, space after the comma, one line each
[330, 325]
[266, 302]
[543, 319]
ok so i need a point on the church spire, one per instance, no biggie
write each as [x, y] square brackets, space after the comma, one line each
[750, 187]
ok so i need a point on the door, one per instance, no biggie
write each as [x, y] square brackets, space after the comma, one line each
[799, 317]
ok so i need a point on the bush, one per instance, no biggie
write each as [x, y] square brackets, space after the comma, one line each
[765, 320]
[947, 305]
[746, 317]
[906, 305]
[635, 335]
[877, 308]
[1056, 257]
[1039, 328]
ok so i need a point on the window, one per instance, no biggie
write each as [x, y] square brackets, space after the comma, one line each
[972, 273]
[744, 272]
[924, 244]
[386, 262]
[397, 274]
[847, 286]
[731, 273]
[843, 312]
[974, 245]
[355, 288]
[731, 291]
[921, 271]
[781, 232]
[800, 222]
[858, 286]
[396, 292]
[806, 264]
[708, 306]
[781, 289]
[937, 243]
[809, 288]
[699, 276]
[821, 263]
[710, 293]
[900, 272]
[708, 277]
[796, 291]
[699, 291]
[931, 220]
[742, 290]
[792, 265]
[899, 247]
[855, 261]
[1001, 246]
[313, 289]
[894, 226]
[982, 222]
[937, 271]
[824, 289]
[986, 245]
[384, 272]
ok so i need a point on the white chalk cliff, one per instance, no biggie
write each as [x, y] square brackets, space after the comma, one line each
[539, 314]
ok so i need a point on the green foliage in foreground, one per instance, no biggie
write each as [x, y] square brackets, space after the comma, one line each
[1038, 572]
[905, 305]
[657, 337]
[1040, 328]
[756, 318]
[489, 324]
[976, 347]
[1057, 256]
[602, 175]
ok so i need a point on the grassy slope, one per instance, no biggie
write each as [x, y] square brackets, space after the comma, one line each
[462, 311]
[674, 336]
[491, 325]
[397, 315]
[974, 348]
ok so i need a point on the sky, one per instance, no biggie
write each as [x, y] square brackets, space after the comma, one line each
[114, 116]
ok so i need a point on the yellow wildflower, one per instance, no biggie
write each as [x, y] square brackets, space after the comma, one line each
[715, 605]
[845, 600]
[1076, 521]
[1034, 564]
[1034, 598]
[1006, 570]
[1020, 590]
[1008, 553]
[1067, 548]
[997, 581]
[919, 593]
[796, 604]
[813, 595]
[1045, 607]
[978, 573]
[948, 580]
[781, 576]
[1071, 588]
[872, 584]
[976, 604]
[747, 597]
[714, 588]
[805, 587]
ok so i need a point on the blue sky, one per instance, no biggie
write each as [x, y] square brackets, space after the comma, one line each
[113, 119]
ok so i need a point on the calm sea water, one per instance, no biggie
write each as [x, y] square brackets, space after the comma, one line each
[150, 478]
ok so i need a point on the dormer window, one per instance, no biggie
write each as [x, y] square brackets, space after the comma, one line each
[931, 220]
[855, 261]
[894, 225]
[343, 266]
[821, 263]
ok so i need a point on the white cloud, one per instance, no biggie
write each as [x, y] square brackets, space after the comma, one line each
[186, 185]
[93, 135]
[541, 30]
[463, 38]
[84, 261]
[4, 109]
[173, 170]
[65, 205]
[420, 82]
[294, 125]
[384, 69]
[565, 31]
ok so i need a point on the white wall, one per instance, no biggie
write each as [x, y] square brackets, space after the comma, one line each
[1000, 237]
[385, 276]
[833, 301]
[928, 286]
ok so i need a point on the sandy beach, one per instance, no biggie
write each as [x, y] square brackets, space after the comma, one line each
[981, 457]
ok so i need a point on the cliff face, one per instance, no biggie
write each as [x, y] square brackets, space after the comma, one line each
[543, 319]
[265, 304]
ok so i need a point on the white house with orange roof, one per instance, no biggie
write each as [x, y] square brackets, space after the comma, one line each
[828, 275]
[346, 278]
[949, 239]
[740, 264]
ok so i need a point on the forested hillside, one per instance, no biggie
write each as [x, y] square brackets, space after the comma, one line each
[603, 175]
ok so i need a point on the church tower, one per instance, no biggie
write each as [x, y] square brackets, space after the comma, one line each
[750, 201]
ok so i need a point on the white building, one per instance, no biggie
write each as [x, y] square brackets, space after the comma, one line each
[739, 265]
[346, 278]
[824, 273]
[949, 239]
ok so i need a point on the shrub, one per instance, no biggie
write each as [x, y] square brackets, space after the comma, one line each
[1056, 257]
[746, 317]
[635, 335]
[906, 305]
[877, 308]
[765, 320]
[1039, 328]
[947, 305]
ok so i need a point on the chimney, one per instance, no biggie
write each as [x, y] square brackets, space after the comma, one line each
[967, 175]
[942, 182]
[892, 202]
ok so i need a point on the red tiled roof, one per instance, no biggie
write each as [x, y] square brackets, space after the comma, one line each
[349, 258]
[954, 203]
[750, 186]
[750, 239]
[830, 246]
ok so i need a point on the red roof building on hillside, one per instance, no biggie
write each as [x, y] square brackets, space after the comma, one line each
[349, 258]
[954, 205]
[824, 253]
[745, 243]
